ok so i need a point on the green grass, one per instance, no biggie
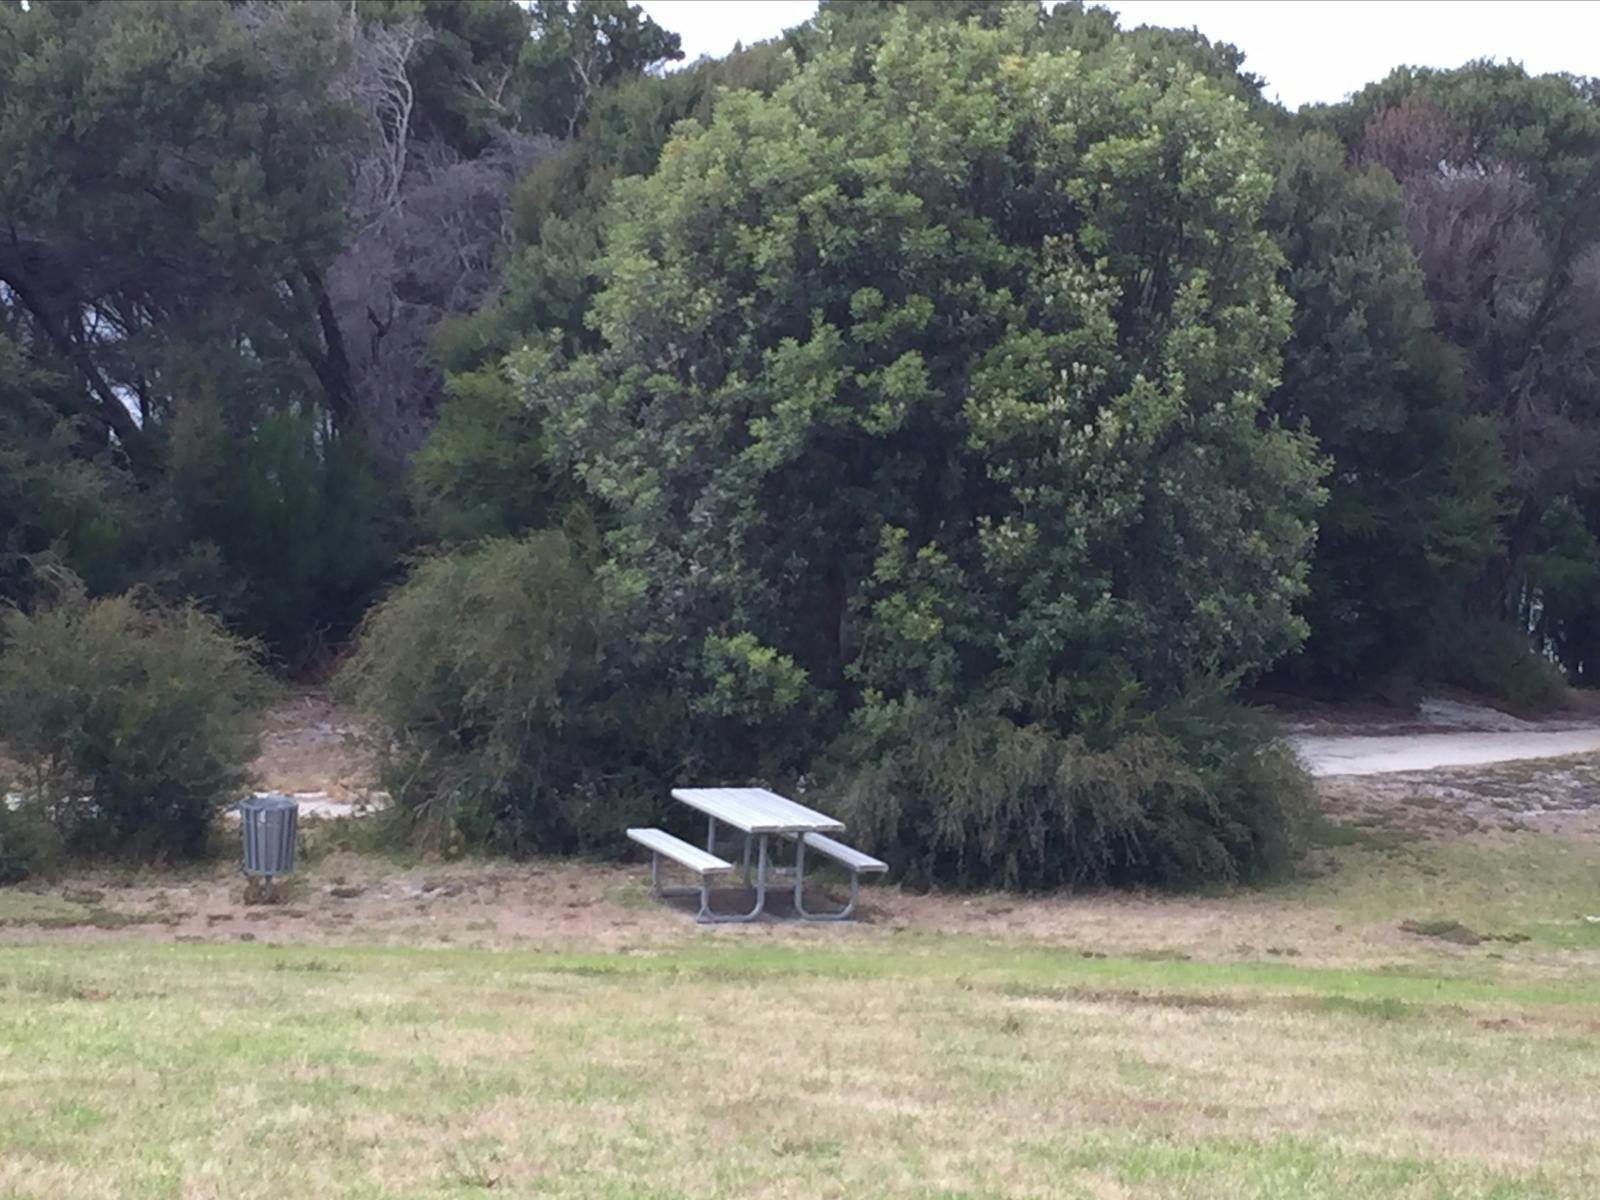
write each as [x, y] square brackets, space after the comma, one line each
[1540, 886]
[944, 1066]
[1163, 1057]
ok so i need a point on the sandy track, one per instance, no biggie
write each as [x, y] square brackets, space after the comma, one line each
[1342, 755]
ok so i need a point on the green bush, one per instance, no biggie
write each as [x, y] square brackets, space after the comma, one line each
[1199, 792]
[133, 721]
[486, 668]
[28, 845]
[1496, 660]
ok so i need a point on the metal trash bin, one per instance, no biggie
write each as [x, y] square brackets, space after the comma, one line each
[267, 823]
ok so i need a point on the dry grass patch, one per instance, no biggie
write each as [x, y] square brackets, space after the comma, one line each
[1530, 886]
[725, 1070]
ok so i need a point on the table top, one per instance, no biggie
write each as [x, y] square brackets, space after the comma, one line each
[756, 810]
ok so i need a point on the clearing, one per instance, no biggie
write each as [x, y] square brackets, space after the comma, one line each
[1415, 1015]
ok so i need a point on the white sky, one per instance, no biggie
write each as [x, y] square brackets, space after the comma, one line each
[1307, 50]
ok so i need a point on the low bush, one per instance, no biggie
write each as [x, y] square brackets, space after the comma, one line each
[1197, 793]
[133, 721]
[506, 732]
[28, 845]
[522, 721]
[1495, 660]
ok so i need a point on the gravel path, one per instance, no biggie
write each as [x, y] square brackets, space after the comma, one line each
[1342, 755]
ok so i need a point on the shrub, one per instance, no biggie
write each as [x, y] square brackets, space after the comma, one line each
[27, 843]
[1197, 793]
[486, 667]
[1496, 660]
[134, 721]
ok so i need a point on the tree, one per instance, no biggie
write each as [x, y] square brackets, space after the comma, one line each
[483, 470]
[1413, 513]
[282, 217]
[943, 378]
[579, 46]
[159, 235]
[1501, 177]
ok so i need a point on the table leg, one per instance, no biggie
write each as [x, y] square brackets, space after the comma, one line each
[711, 835]
[761, 879]
[747, 840]
[710, 918]
[800, 909]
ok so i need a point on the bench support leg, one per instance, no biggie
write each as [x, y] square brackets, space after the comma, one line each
[710, 918]
[806, 914]
[705, 899]
[660, 892]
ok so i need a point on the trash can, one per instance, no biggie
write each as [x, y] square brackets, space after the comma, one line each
[267, 823]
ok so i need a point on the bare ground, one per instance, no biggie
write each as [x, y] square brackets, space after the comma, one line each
[1550, 795]
[567, 905]
[322, 754]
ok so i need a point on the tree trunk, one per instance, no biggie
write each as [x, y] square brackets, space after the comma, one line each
[108, 408]
[1491, 594]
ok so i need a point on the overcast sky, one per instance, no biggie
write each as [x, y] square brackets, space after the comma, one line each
[1307, 50]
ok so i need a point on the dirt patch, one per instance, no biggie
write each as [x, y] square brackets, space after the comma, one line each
[340, 897]
[312, 746]
[1447, 931]
[352, 899]
[1390, 755]
[1550, 795]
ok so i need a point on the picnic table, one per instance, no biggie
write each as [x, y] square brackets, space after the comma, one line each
[763, 817]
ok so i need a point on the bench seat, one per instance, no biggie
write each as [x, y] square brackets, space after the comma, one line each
[696, 861]
[659, 841]
[851, 859]
[847, 856]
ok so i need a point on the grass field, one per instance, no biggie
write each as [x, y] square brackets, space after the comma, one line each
[894, 1060]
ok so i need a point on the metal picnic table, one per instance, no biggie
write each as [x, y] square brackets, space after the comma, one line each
[761, 815]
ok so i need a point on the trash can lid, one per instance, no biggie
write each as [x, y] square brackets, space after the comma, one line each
[267, 802]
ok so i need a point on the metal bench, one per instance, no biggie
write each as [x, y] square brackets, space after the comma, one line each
[696, 861]
[853, 860]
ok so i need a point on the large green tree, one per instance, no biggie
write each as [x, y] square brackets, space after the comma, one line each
[173, 191]
[945, 366]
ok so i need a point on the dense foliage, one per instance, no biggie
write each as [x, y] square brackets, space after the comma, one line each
[892, 383]
[1414, 490]
[488, 664]
[950, 405]
[230, 234]
[889, 409]
[1500, 174]
[138, 721]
